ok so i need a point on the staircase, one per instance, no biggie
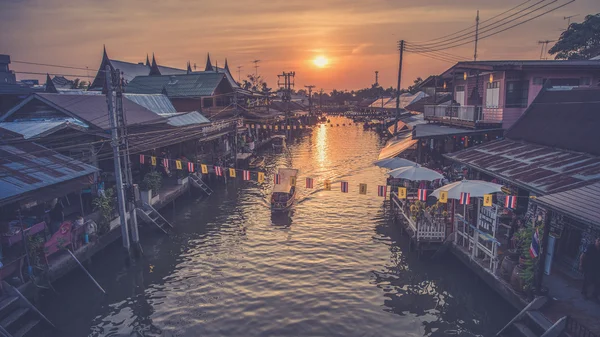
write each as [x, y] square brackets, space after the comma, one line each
[197, 182]
[20, 318]
[530, 322]
[150, 215]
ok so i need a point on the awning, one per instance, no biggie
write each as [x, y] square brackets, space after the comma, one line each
[397, 147]
[580, 204]
[436, 130]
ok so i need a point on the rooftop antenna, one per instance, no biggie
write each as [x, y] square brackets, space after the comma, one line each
[568, 18]
[194, 66]
[239, 72]
[544, 44]
[376, 77]
[256, 67]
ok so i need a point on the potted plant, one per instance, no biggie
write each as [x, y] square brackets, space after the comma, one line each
[106, 206]
[150, 186]
[182, 178]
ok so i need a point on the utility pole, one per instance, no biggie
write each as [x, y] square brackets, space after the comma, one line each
[130, 189]
[401, 47]
[110, 98]
[321, 100]
[310, 88]
[239, 72]
[476, 35]
[544, 44]
[286, 89]
[256, 67]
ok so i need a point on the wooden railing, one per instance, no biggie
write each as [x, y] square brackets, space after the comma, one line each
[576, 329]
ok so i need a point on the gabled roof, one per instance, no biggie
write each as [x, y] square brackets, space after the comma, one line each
[89, 109]
[40, 128]
[186, 85]
[27, 167]
[156, 103]
[562, 118]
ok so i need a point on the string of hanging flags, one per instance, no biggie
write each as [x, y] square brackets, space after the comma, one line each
[382, 190]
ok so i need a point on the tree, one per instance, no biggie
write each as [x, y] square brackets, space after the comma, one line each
[413, 88]
[79, 84]
[581, 41]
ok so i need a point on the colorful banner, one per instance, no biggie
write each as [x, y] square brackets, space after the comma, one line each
[218, 171]
[309, 182]
[344, 187]
[487, 200]
[165, 162]
[443, 197]
[534, 248]
[204, 169]
[277, 179]
[382, 191]
[232, 172]
[422, 194]
[510, 201]
[362, 188]
[465, 198]
[153, 160]
[141, 159]
[178, 164]
[246, 175]
[190, 167]
[293, 181]
[401, 192]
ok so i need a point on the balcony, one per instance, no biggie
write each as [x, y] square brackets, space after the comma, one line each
[465, 115]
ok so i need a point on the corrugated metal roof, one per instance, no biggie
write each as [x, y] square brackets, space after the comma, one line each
[156, 103]
[36, 128]
[397, 146]
[187, 118]
[437, 130]
[187, 85]
[27, 167]
[537, 168]
[580, 203]
[520, 64]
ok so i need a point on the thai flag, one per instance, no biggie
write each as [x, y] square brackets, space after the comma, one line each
[422, 194]
[277, 179]
[381, 191]
[534, 248]
[166, 163]
[190, 167]
[219, 171]
[142, 159]
[465, 198]
[511, 201]
[344, 187]
[246, 175]
[309, 182]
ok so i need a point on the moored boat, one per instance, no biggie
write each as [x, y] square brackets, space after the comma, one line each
[278, 142]
[284, 190]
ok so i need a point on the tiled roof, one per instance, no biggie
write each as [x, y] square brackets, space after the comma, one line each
[537, 168]
[187, 85]
[26, 167]
[156, 103]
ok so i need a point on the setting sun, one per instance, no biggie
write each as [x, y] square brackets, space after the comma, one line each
[320, 61]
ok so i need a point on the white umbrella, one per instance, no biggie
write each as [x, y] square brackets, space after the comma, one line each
[476, 188]
[415, 173]
[394, 163]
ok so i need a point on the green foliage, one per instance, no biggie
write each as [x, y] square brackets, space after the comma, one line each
[35, 247]
[579, 41]
[413, 88]
[106, 206]
[524, 238]
[152, 181]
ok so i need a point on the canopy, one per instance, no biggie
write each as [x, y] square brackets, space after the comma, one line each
[285, 180]
[394, 163]
[394, 149]
[416, 173]
[477, 188]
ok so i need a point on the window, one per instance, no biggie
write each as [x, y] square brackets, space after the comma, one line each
[517, 94]
[459, 96]
[492, 94]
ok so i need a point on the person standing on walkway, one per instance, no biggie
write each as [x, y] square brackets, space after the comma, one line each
[589, 264]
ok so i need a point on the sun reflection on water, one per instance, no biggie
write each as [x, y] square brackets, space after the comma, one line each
[322, 146]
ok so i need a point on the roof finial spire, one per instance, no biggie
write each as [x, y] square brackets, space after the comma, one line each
[226, 66]
[209, 66]
[189, 67]
[154, 68]
[50, 87]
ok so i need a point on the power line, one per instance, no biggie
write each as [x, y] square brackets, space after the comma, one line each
[500, 31]
[49, 65]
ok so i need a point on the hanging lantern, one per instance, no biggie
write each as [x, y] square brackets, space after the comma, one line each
[444, 85]
[491, 78]
[465, 76]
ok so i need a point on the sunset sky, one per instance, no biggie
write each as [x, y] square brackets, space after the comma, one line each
[355, 37]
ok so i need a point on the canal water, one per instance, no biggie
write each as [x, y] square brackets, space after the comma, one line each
[334, 267]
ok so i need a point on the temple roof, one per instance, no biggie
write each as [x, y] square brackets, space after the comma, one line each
[154, 71]
[186, 85]
[209, 66]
